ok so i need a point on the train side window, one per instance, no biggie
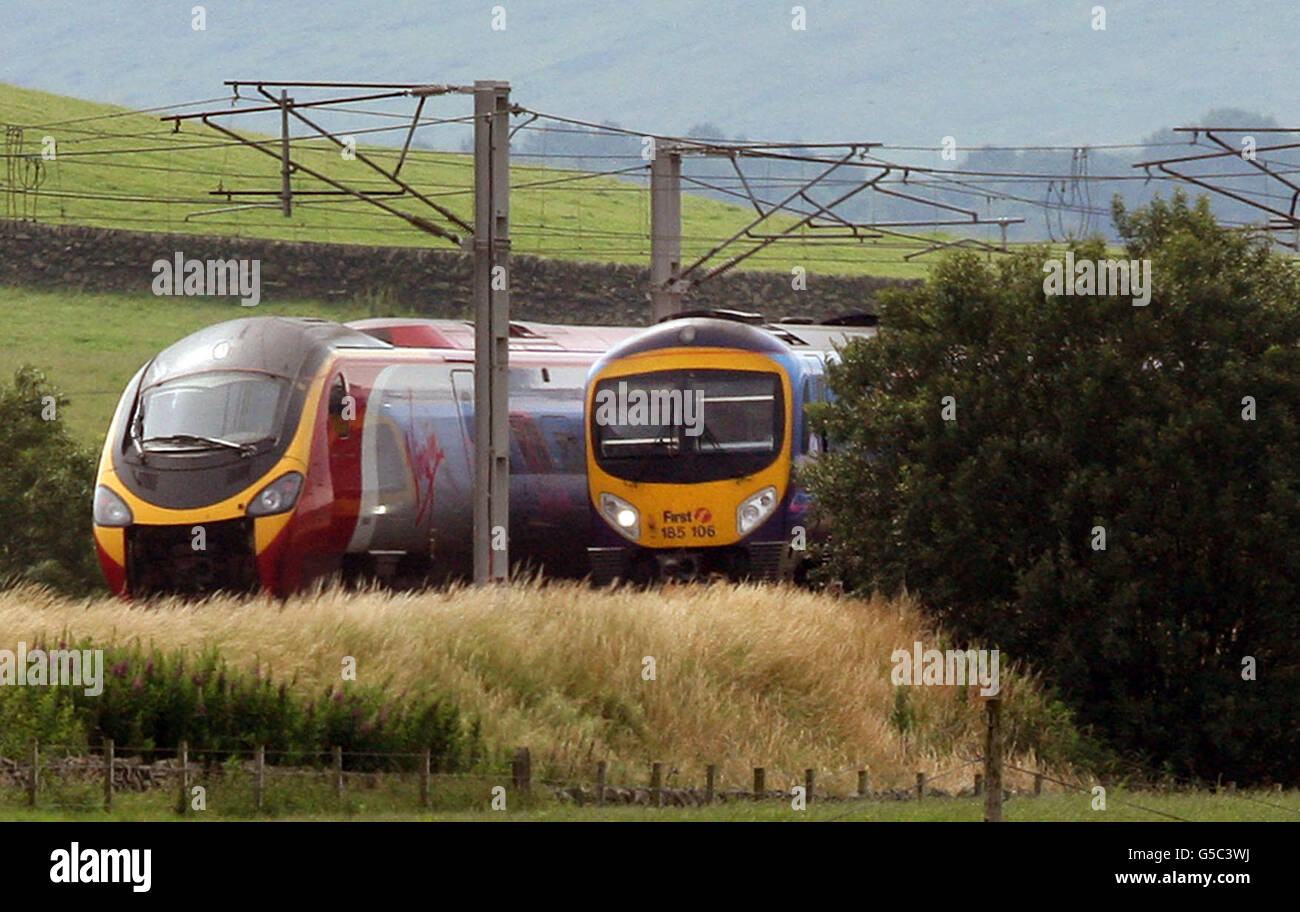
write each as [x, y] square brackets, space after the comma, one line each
[394, 476]
[462, 385]
[821, 391]
[563, 437]
[527, 451]
[807, 425]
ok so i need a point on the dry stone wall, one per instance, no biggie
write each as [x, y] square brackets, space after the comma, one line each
[430, 281]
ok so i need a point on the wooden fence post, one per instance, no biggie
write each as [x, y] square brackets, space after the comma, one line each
[657, 783]
[184, 793]
[1038, 783]
[108, 774]
[601, 770]
[338, 772]
[426, 762]
[34, 783]
[522, 769]
[808, 781]
[920, 786]
[710, 782]
[259, 776]
[759, 783]
[864, 783]
[979, 784]
[993, 762]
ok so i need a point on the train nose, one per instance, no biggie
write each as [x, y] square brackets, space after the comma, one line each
[192, 559]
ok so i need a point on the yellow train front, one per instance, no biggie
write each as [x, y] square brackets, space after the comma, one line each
[694, 428]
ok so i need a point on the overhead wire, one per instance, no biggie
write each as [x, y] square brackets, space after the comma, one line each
[1069, 192]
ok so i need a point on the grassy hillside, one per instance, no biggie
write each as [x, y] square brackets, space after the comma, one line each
[552, 213]
[744, 676]
[90, 345]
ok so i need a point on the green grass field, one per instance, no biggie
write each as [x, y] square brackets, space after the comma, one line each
[554, 213]
[1198, 807]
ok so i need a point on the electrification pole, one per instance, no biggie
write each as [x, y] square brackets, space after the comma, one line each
[491, 330]
[666, 286]
[286, 188]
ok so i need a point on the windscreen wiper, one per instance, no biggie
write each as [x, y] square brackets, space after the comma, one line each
[707, 435]
[245, 449]
[136, 427]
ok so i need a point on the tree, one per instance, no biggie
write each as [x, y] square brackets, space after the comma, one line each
[46, 484]
[1169, 435]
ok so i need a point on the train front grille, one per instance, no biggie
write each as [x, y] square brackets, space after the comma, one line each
[192, 559]
[754, 560]
[766, 560]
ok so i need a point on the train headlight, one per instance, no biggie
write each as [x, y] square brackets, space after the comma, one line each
[754, 510]
[621, 515]
[277, 497]
[111, 510]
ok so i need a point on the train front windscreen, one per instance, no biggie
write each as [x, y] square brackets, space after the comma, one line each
[212, 409]
[683, 426]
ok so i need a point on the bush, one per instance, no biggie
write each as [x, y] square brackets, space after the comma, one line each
[46, 484]
[153, 699]
[1074, 413]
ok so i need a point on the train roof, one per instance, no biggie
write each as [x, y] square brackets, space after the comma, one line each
[819, 337]
[278, 345]
[524, 335]
[288, 346]
[562, 337]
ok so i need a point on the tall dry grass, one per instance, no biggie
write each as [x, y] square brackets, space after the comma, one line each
[743, 675]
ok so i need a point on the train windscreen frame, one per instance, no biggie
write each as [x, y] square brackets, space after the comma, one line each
[244, 408]
[739, 429]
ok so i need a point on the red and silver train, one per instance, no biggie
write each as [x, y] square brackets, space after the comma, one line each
[270, 453]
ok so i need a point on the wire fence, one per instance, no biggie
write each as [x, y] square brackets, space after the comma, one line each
[260, 782]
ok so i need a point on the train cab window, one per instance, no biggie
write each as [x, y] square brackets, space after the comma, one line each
[642, 431]
[234, 407]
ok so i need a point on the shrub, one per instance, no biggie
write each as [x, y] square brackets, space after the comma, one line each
[153, 699]
[46, 482]
[1078, 412]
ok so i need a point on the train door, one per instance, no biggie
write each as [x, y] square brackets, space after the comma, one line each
[462, 386]
[343, 408]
